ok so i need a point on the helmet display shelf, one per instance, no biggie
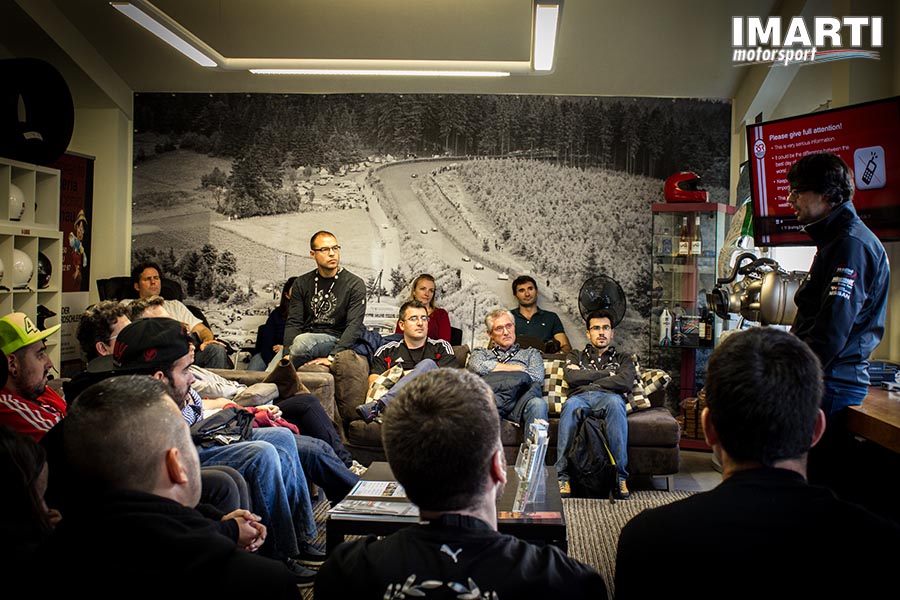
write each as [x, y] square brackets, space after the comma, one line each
[31, 245]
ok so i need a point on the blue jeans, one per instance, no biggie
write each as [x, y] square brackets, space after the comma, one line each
[308, 346]
[278, 491]
[838, 396]
[605, 405]
[257, 363]
[213, 356]
[423, 367]
[324, 468]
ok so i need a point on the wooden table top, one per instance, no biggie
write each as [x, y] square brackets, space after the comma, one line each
[877, 418]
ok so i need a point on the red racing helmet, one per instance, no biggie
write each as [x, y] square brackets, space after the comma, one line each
[685, 187]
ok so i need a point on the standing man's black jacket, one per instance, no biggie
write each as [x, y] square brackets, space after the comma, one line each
[841, 305]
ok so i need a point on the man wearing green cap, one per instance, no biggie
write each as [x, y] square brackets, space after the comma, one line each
[27, 404]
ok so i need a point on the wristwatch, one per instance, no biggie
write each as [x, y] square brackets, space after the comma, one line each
[330, 358]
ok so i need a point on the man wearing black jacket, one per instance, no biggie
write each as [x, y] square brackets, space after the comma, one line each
[841, 305]
[599, 377]
[327, 307]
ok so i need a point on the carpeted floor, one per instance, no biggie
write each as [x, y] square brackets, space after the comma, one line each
[593, 527]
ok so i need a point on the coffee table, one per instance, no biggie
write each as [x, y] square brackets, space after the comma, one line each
[543, 523]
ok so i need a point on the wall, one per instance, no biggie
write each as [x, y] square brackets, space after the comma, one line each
[106, 135]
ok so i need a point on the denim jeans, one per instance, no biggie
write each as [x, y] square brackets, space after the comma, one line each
[841, 395]
[423, 367]
[605, 405]
[324, 468]
[308, 346]
[278, 492]
[257, 363]
[213, 356]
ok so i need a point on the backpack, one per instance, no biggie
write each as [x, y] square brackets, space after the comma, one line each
[223, 427]
[592, 468]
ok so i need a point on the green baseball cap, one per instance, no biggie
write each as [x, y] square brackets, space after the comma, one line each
[18, 331]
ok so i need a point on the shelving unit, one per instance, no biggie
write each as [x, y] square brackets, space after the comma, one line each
[35, 232]
[680, 283]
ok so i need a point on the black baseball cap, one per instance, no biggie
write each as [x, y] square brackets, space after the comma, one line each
[145, 345]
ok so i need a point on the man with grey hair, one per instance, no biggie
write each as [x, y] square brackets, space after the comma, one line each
[457, 552]
[140, 475]
[515, 374]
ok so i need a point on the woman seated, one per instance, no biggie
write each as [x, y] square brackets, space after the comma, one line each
[423, 290]
[271, 335]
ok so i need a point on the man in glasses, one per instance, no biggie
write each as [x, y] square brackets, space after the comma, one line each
[841, 305]
[415, 354]
[514, 374]
[598, 377]
[327, 307]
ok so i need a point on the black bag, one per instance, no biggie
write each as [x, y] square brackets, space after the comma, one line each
[592, 468]
[229, 425]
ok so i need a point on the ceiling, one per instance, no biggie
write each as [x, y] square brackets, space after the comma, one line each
[606, 47]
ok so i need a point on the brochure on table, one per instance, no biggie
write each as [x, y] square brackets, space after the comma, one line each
[376, 500]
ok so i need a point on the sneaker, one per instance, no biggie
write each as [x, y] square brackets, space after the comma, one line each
[310, 555]
[622, 493]
[358, 469]
[368, 411]
[565, 490]
[303, 577]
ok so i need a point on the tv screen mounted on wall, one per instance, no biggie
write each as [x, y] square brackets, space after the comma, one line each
[866, 136]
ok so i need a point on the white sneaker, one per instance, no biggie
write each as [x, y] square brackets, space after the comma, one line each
[358, 469]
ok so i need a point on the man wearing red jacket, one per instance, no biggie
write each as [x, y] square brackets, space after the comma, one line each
[27, 404]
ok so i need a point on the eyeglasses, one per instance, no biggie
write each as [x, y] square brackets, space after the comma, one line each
[151, 278]
[502, 328]
[795, 192]
[328, 249]
[600, 328]
[414, 318]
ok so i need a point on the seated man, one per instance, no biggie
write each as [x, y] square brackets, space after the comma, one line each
[139, 484]
[449, 413]
[534, 322]
[598, 378]
[327, 307]
[27, 404]
[211, 353]
[516, 375]
[269, 461]
[416, 353]
[764, 531]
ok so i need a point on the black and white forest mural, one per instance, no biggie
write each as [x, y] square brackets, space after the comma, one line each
[228, 189]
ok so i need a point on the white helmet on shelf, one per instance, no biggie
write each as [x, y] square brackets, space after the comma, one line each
[23, 269]
[16, 202]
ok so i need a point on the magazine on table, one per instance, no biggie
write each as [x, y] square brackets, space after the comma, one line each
[376, 500]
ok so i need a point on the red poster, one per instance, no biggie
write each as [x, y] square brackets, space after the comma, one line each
[76, 203]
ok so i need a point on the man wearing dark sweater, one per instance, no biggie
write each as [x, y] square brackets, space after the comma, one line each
[140, 475]
[764, 532]
[327, 306]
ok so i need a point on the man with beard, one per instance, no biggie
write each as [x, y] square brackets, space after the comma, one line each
[598, 377]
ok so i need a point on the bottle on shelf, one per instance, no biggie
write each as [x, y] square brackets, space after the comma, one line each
[696, 238]
[677, 335]
[665, 326]
[684, 239]
[702, 311]
[665, 244]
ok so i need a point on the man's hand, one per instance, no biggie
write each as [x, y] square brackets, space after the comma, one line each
[274, 411]
[251, 531]
[509, 367]
[208, 342]
[320, 361]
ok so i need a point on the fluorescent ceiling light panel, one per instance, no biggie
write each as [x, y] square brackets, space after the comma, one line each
[546, 18]
[391, 72]
[163, 32]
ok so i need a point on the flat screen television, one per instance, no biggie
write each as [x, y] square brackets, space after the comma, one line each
[866, 136]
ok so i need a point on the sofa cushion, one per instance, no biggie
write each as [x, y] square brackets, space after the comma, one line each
[360, 433]
[351, 380]
[555, 387]
[653, 427]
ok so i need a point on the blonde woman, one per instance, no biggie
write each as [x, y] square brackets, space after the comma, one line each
[423, 290]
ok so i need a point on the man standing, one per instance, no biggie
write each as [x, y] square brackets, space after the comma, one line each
[534, 322]
[841, 305]
[27, 404]
[515, 374]
[598, 377]
[327, 307]
[442, 440]
[416, 353]
[211, 353]
[763, 532]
